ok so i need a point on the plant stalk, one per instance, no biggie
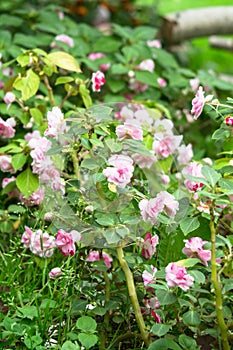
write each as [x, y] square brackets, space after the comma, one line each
[50, 91]
[133, 295]
[217, 286]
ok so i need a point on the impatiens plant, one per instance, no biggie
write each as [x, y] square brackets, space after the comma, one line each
[130, 226]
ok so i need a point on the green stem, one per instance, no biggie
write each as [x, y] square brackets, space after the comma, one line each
[50, 91]
[217, 287]
[106, 316]
[133, 295]
[76, 164]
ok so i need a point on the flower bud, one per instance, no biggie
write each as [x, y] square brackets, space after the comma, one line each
[55, 272]
[229, 120]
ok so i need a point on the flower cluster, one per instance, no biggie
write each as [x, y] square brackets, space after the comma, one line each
[121, 170]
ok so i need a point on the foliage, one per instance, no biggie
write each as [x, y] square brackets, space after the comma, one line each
[98, 195]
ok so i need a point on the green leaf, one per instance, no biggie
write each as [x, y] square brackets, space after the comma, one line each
[18, 160]
[188, 262]
[226, 184]
[85, 94]
[192, 318]
[87, 340]
[90, 164]
[113, 145]
[164, 344]
[210, 175]
[27, 182]
[36, 115]
[28, 85]
[160, 329]
[68, 345]
[187, 343]
[64, 60]
[9, 20]
[188, 225]
[165, 297]
[86, 324]
[146, 77]
[27, 312]
[63, 80]
[16, 209]
[198, 276]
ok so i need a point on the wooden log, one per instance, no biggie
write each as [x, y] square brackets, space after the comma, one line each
[193, 23]
[221, 43]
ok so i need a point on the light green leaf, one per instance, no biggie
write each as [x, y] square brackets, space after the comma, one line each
[85, 94]
[68, 345]
[18, 160]
[63, 80]
[64, 60]
[27, 182]
[86, 324]
[198, 276]
[188, 224]
[90, 164]
[210, 175]
[160, 329]
[28, 85]
[27, 312]
[188, 262]
[192, 318]
[87, 340]
[36, 115]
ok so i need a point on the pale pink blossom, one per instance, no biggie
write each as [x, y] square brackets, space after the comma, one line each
[9, 98]
[7, 180]
[151, 208]
[194, 170]
[137, 86]
[147, 65]
[130, 129]
[229, 120]
[66, 39]
[65, 241]
[154, 43]
[163, 127]
[34, 199]
[149, 277]
[170, 205]
[7, 130]
[166, 146]
[149, 245]
[41, 244]
[8, 72]
[6, 164]
[199, 101]
[185, 154]
[177, 276]
[142, 116]
[162, 82]
[194, 249]
[144, 161]
[94, 255]
[194, 84]
[26, 237]
[98, 79]
[121, 171]
[152, 303]
[54, 273]
[56, 123]
[125, 113]
[165, 179]
[97, 55]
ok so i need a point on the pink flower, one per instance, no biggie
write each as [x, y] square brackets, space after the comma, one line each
[6, 164]
[6, 128]
[185, 154]
[26, 237]
[130, 129]
[7, 180]
[170, 205]
[199, 101]
[9, 98]
[98, 79]
[165, 179]
[151, 208]
[94, 255]
[166, 146]
[56, 123]
[194, 170]
[35, 199]
[194, 83]
[121, 172]
[194, 249]
[149, 245]
[154, 43]
[54, 273]
[65, 241]
[177, 276]
[41, 244]
[156, 316]
[229, 120]
[162, 82]
[147, 65]
[63, 38]
[144, 161]
[149, 277]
